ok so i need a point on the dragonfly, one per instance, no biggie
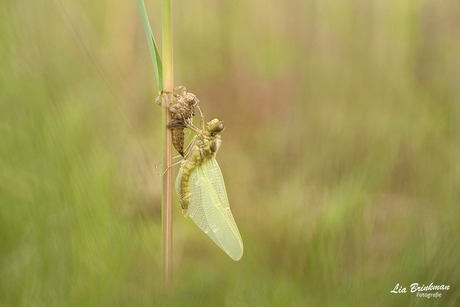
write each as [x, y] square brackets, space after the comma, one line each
[182, 112]
[201, 189]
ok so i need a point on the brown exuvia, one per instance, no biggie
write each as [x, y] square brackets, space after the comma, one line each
[182, 111]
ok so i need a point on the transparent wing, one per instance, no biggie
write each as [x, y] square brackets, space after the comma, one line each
[210, 211]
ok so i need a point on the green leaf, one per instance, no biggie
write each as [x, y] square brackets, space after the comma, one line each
[156, 59]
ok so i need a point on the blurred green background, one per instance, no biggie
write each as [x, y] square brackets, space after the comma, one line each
[340, 154]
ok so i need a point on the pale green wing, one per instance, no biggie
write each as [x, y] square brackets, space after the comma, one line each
[210, 211]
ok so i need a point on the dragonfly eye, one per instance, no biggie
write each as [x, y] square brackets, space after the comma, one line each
[215, 126]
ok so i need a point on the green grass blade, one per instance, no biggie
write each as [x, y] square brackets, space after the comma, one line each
[158, 66]
[156, 59]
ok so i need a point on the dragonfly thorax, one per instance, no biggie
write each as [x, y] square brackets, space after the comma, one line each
[208, 146]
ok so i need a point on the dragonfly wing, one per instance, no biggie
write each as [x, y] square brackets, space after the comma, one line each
[210, 211]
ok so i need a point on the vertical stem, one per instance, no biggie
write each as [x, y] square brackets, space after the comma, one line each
[168, 85]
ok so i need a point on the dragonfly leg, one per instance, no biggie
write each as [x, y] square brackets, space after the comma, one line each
[192, 127]
[188, 134]
[169, 166]
[189, 148]
[161, 164]
[202, 117]
[160, 97]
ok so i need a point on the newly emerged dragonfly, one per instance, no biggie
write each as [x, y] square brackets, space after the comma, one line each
[182, 111]
[202, 193]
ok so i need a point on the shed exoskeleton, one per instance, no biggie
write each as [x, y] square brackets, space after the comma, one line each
[182, 111]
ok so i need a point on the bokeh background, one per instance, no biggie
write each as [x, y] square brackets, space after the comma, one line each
[340, 154]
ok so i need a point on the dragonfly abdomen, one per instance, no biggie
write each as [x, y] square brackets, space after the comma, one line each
[203, 150]
[183, 190]
[183, 179]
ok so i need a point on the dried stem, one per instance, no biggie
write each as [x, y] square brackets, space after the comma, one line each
[168, 84]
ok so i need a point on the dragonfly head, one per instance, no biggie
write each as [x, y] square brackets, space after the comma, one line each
[215, 126]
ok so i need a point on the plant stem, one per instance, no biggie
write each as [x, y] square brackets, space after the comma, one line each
[168, 84]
